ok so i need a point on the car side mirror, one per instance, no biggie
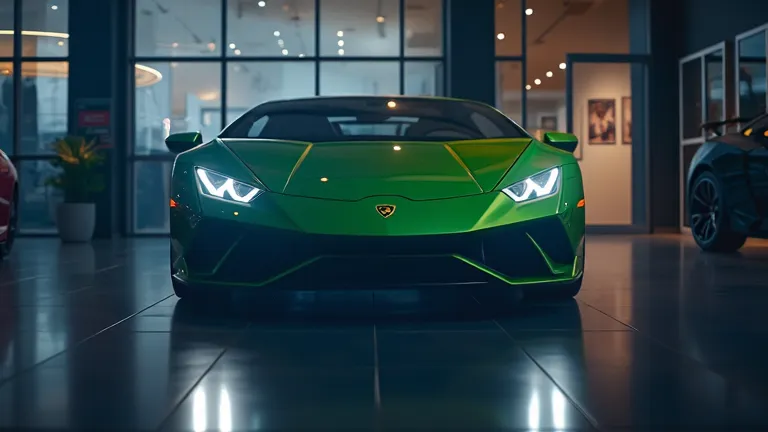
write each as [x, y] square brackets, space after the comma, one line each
[563, 141]
[183, 141]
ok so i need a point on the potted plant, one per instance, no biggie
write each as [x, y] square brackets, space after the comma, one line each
[79, 177]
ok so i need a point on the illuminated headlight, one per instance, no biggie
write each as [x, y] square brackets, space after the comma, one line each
[537, 186]
[218, 186]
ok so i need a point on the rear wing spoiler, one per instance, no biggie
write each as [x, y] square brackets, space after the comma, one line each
[715, 126]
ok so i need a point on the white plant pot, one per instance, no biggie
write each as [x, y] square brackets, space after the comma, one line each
[76, 222]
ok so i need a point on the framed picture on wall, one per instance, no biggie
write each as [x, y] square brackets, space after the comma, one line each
[626, 120]
[602, 121]
[548, 122]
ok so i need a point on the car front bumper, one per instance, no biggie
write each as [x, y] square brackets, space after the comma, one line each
[223, 253]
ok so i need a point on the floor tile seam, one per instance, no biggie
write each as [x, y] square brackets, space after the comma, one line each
[376, 374]
[582, 410]
[75, 345]
[24, 279]
[43, 276]
[588, 417]
[231, 343]
[682, 355]
[563, 331]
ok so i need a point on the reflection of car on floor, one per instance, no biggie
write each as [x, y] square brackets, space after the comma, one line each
[375, 193]
[9, 198]
[728, 186]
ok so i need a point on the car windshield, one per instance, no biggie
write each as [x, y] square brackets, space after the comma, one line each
[373, 119]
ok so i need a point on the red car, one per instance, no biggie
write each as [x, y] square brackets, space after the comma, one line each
[9, 198]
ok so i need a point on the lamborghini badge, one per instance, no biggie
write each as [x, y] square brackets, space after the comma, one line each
[385, 210]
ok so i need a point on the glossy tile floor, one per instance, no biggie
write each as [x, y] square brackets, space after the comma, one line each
[661, 338]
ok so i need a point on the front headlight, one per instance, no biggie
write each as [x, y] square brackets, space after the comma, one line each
[219, 186]
[536, 186]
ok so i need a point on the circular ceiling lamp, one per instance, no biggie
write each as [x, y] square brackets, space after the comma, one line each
[145, 75]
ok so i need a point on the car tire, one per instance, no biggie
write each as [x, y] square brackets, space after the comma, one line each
[13, 224]
[708, 219]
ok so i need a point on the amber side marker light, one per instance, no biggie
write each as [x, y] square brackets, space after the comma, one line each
[173, 203]
[581, 203]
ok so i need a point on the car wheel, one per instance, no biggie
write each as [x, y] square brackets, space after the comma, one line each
[709, 221]
[13, 224]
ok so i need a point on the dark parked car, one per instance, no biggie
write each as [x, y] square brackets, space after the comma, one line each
[9, 198]
[728, 186]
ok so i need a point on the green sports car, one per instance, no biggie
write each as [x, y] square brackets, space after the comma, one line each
[375, 193]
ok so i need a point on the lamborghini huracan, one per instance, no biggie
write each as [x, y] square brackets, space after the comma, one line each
[9, 196]
[375, 193]
[728, 186]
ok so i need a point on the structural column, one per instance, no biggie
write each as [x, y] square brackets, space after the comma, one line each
[470, 50]
[97, 97]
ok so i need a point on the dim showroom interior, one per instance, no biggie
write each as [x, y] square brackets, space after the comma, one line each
[655, 332]
[196, 65]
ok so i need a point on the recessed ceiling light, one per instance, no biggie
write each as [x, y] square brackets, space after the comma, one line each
[276, 33]
[549, 74]
[262, 3]
[500, 36]
[175, 44]
[54, 7]
[285, 51]
[323, 179]
[562, 65]
[301, 55]
[340, 33]
[380, 19]
[232, 46]
[60, 43]
[396, 148]
[537, 81]
[280, 42]
[341, 51]
[238, 52]
[529, 11]
[391, 104]
[341, 43]
[528, 87]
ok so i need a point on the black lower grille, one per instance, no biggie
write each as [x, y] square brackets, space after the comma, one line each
[248, 254]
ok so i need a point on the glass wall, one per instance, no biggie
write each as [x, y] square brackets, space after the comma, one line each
[703, 98]
[33, 65]
[531, 88]
[202, 63]
[751, 76]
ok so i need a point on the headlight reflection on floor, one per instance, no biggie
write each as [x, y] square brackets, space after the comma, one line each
[200, 411]
[536, 411]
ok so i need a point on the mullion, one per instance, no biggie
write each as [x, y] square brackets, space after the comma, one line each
[316, 58]
[224, 64]
[16, 73]
[401, 35]
[523, 65]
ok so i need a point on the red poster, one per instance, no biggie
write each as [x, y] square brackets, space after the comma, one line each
[93, 118]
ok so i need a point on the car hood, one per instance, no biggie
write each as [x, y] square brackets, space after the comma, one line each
[351, 171]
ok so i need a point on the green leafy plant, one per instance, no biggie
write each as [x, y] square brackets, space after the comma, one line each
[78, 163]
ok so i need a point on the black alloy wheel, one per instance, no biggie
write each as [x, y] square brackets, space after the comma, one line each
[705, 210]
[709, 217]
